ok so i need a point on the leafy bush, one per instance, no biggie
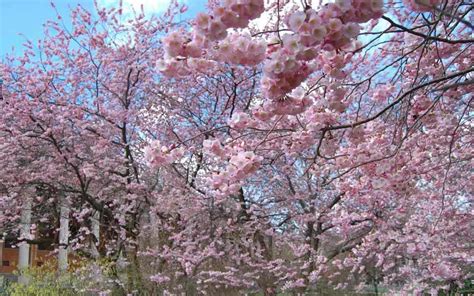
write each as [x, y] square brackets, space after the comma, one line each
[84, 278]
[42, 281]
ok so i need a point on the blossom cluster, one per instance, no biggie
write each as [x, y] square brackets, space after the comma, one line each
[284, 72]
[290, 60]
[231, 14]
[213, 146]
[332, 27]
[238, 48]
[179, 43]
[240, 120]
[360, 11]
[421, 5]
[176, 68]
[295, 103]
[241, 49]
[241, 165]
[244, 164]
[158, 155]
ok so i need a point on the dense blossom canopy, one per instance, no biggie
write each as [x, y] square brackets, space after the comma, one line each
[262, 146]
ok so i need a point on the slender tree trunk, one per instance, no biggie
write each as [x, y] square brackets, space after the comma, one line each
[24, 252]
[63, 236]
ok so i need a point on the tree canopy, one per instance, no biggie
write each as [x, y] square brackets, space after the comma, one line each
[261, 146]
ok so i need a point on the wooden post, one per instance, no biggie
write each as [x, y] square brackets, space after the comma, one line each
[24, 247]
[95, 229]
[63, 235]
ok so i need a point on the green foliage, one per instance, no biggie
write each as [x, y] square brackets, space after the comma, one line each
[84, 278]
[43, 281]
[4, 284]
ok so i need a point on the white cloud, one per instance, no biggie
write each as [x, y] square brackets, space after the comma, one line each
[129, 6]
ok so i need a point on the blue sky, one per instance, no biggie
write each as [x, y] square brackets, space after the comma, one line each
[26, 17]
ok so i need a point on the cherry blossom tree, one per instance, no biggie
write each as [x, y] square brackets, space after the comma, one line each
[336, 143]
[75, 114]
[262, 146]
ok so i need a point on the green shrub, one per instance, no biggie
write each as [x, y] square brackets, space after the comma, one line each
[86, 278]
[42, 282]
